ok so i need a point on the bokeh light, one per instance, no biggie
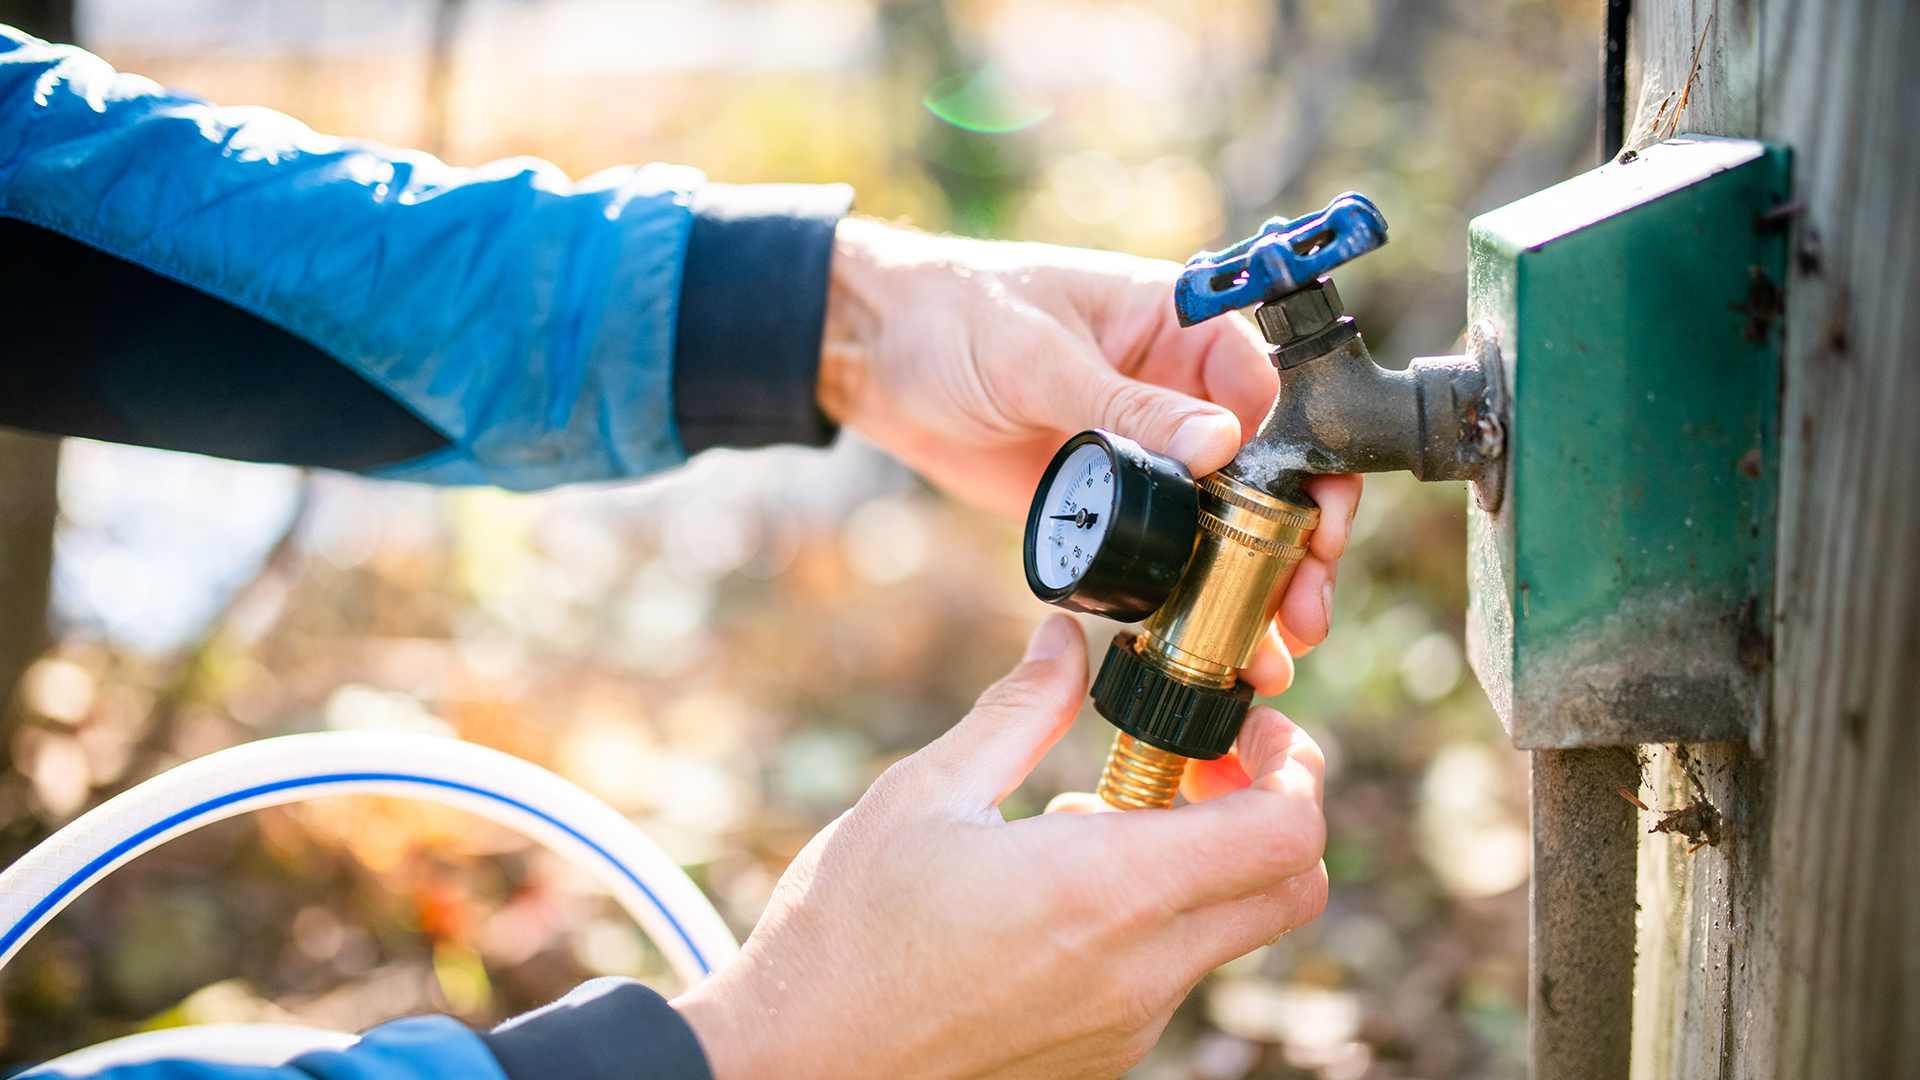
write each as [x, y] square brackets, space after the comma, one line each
[984, 101]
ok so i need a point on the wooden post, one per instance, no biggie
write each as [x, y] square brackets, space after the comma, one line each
[27, 509]
[28, 464]
[1791, 947]
[1579, 1018]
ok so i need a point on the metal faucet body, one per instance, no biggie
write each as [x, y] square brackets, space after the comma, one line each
[1441, 418]
[1339, 412]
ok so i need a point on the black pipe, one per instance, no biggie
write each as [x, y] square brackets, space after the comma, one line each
[51, 20]
[1613, 79]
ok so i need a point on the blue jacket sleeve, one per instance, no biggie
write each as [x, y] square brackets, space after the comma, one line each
[545, 330]
[606, 1029]
[417, 1048]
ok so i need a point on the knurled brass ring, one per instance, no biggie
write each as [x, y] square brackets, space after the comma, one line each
[1282, 513]
[1214, 525]
[1254, 520]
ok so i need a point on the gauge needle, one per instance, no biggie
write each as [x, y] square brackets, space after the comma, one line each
[1080, 518]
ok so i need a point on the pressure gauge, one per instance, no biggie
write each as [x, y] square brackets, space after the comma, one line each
[1111, 529]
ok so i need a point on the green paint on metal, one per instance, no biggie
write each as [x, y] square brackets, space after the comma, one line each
[1621, 594]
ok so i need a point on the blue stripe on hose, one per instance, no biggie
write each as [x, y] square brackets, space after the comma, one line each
[107, 857]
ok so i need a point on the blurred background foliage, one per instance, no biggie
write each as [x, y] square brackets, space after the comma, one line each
[732, 652]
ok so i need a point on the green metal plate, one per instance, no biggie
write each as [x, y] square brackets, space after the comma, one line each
[1620, 595]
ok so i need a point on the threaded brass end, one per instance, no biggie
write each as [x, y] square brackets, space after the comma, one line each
[1139, 776]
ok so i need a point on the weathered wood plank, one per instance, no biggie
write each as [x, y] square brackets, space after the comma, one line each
[1579, 1018]
[28, 464]
[1693, 1001]
[27, 509]
[29, 501]
[1810, 905]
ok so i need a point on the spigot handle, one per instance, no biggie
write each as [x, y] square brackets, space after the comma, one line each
[1279, 259]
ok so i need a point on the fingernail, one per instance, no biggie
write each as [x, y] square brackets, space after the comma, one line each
[1049, 639]
[1326, 603]
[1196, 434]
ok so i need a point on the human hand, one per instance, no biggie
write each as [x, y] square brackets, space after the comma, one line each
[923, 937]
[972, 361]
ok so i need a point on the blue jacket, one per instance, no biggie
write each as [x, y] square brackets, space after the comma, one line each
[226, 281]
[607, 1029]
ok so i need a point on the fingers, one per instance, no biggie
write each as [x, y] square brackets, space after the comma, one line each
[1306, 607]
[1078, 802]
[1222, 360]
[1295, 647]
[1211, 779]
[1243, 840]
[1224, 929]
[1199, 434]
[1266, 741]
[1271, 671]
[1339, 499]
[990, 751]
[1236, 370]
[1203, 442]
[1269, 743]
[1305, 616]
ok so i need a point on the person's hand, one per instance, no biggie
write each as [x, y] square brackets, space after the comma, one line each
[923, 937]
[973, 361]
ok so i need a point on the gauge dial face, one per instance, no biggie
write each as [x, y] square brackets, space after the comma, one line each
[1076, 512]
[1111, 529]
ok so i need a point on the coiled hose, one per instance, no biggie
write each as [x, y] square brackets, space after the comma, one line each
[273, 772]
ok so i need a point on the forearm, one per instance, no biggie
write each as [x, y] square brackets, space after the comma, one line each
[279, 295]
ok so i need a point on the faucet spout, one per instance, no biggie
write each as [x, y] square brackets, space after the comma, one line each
[1339, 412]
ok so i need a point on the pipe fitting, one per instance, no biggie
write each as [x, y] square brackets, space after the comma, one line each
[1175, 691]
[1139, 776]
[1208, 629]
[1339, 412]
[1299, 314]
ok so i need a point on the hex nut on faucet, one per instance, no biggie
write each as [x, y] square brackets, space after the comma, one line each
[1301, 313]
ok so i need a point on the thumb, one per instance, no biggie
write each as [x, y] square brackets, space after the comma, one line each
[1199, 434]
[993, 748]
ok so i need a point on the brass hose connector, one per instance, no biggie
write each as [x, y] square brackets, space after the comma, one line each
[1140, 777]
[1208, 629]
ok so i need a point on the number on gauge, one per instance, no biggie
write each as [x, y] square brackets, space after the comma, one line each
[1078, 510]
[1111, 527]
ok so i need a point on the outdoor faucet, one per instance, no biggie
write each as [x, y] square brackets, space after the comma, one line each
[1199, 560]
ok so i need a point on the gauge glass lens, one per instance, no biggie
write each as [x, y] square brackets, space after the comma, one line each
[1075, 516]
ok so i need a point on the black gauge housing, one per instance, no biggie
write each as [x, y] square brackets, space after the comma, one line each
[1148, 542]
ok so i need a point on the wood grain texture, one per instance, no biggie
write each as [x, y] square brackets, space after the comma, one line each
[28, 505]
[1579, 1016]
[29, 467]
[1792, 948]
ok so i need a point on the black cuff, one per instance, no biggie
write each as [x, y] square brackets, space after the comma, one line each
[753, 304]
[606, 1029]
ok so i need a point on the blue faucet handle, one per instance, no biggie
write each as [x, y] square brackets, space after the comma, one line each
[1282, 257]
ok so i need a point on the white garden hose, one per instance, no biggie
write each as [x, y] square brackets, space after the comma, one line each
[295, 768]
